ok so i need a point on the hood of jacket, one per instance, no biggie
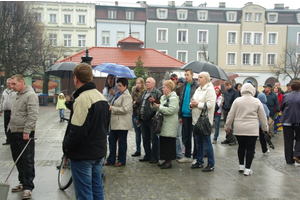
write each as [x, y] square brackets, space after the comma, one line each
[262, 97]
[247, 88]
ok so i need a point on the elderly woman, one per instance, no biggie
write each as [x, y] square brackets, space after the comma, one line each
[290, 107]
[121, 122]
[245, 112]
[169, 106]
[205, 94]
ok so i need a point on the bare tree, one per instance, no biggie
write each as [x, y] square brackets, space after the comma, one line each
[203, 48]
[289, 62]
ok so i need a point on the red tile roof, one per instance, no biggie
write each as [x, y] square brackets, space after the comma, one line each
[150, 57]
[130, 39]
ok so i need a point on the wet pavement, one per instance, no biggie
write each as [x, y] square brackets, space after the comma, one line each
[272, 178]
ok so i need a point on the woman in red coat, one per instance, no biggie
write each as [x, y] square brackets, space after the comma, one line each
[276, 90]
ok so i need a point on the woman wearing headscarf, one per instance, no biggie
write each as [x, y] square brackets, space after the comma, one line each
[218, 113]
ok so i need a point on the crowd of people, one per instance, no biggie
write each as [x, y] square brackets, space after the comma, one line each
[246, 112]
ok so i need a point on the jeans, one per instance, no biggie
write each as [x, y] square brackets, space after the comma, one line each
[61, 113]
[246, 147]
[148, 139]
[188, 129]
[217, 126]
[113, 137]
[203, 141]
[25, 165]
[87, 179]
[138, 134]
[179, 142]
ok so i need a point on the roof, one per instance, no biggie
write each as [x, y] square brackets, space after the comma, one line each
[150, 57]
[130, 39]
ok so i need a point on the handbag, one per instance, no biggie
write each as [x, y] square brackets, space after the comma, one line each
[158, 121]
[203, 126]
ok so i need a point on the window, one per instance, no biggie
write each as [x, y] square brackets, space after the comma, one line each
[231, 16]
[182, 56]
[164, 51]
[298, 39]
[202, 56]
[256, 59]
[231, 58]
[202, 36]
[81, 19]
[38, 17]
[248, 17]
[112, 14]
[231, 38]
[182, 36]
[135, 35]
[258, 38]
[120, 36]
[53, 39]
[202, 15]
[182, 14]
[272, 17]
[81, 40]
[129, 15]
[162, 13]
[258, 17]
[247, 38]
[52, 18]
[246, 59]
[162, 35]
[105, 37]
[272, 40]
[67, 19]
[271, 60]
[298, 17]
[67, 40]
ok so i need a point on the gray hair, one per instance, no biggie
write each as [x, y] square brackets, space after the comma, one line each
[205, 75]
[153, 80]
[9, 79]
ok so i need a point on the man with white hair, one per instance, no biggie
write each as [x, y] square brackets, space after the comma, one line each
[144, 118]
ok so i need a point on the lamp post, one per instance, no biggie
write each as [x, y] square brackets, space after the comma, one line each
[86, 58]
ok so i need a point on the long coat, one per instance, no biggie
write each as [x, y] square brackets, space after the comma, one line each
[170, 112]
[290, 107]
[121, 112]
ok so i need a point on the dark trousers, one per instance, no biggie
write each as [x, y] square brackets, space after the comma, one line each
[187, 128]
[25, 165]
[262, 140]
[113, 137]
[149, 139]
[246, 147]
[6, 122]
[291, 133]
[229, 137]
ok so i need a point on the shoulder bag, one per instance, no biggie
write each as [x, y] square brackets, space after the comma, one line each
[158, 121]
[203, 126]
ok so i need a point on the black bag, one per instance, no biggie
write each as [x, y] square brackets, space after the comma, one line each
[217, 107]
[203, 126]
[157, 123]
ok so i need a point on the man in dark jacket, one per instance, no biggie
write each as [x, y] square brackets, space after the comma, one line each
[145, 119]
[272, 100]
[188, 89]
[85, 142]
[230, 95]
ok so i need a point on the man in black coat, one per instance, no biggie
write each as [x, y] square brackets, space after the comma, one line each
[272, 100]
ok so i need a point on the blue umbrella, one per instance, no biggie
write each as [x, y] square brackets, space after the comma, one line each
[115, 69]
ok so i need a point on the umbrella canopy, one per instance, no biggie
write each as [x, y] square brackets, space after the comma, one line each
[39, 84]
[62, 70]
[217, 82]
[213, 70]
[115, 69]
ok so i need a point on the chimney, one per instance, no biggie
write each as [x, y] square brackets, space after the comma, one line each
[222, 4]
[188, 3]
[171, 3]
[116, 3]
[279, 6]
[286, 8]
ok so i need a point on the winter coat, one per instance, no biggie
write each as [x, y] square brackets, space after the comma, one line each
[121, 112]
[87, 135]
[263, 99]
[290, 107]
[148, 113]
[169, 106]
[137, 98]
[229, 97]
[245, 113]
[61, 102]
[24, 111]
[205, 94]
[194, 86]
[272, 103]
[6, 98]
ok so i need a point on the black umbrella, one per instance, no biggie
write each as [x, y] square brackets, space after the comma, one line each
[213, 70]
[62, 70]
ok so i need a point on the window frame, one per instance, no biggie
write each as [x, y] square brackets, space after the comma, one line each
[81, 40]
[250, 38]
[182, 51]
[182, 11]
[137, 33]
[112, 14]
[235, 58]
[298, 39]
[298, 17]
[207, 36]
[228, 33]
[120, 37]
[276, 17]
[198, 52]
[38, 16]
[106, 36]
[276, 39]
[228, 14]
[55, 19]
[242, 59]
[80, 17]
[163, 10]
[202, 11]
[187, 36]
[247, 18]
[261, 38]
[260, 60]
[157, 31]
[164, 51]
[69, 17]
[53, 39]
[129, 15]
[67, 41]
[275, 59]
[255, 18]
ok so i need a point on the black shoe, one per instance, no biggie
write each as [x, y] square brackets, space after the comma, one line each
[57, 166]
[153, 161]
[196, 165]
[225, 142]
[208, 168]
[167, 166]
[161, 164]
[144, 159]
[136, 154]
[232, 143]
[6, 143]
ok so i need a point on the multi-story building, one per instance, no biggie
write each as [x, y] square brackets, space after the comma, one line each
[115, 21]
[71, 25]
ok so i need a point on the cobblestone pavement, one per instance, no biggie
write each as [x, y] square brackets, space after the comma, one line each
[272, 178]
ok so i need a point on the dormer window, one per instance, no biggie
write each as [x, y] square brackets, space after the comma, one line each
[129, 15]
[272, 17]
[112, 14]
[182, 14]
[258, 17]
[231, 16]
[298, 17]
[248, 17]
[202, 15]
[162, 13]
